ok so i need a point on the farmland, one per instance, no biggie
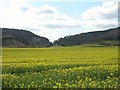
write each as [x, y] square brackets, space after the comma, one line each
[60, 67]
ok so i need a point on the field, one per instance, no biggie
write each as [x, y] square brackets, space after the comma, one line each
[60, 67]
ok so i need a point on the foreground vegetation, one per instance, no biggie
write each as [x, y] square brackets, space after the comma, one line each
[60, 67]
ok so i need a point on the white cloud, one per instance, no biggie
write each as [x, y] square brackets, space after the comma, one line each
[103, 17]
[46, 9]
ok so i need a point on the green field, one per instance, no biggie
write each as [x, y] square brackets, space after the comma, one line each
[60, 67]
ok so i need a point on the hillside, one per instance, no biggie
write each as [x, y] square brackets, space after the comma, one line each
[22, 38]
[106, 37]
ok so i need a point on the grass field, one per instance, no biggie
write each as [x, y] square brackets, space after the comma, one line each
[60, 67]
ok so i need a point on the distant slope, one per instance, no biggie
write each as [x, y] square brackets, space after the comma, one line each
[107, 37]
[22, 38]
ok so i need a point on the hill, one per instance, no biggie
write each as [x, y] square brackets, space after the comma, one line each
[106, 37]
[22, 38]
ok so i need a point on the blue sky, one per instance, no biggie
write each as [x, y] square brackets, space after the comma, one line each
[73, 9]
[56, 19]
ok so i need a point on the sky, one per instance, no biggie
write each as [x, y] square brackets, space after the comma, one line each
[58, 18]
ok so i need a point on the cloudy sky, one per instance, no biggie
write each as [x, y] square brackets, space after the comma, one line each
[55, 19]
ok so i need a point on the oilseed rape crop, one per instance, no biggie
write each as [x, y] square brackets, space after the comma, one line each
[60, 67]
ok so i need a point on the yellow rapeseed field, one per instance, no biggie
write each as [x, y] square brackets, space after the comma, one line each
[60, 67]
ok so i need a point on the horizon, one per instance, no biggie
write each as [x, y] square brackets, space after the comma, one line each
[63, 36]
[54, 20]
